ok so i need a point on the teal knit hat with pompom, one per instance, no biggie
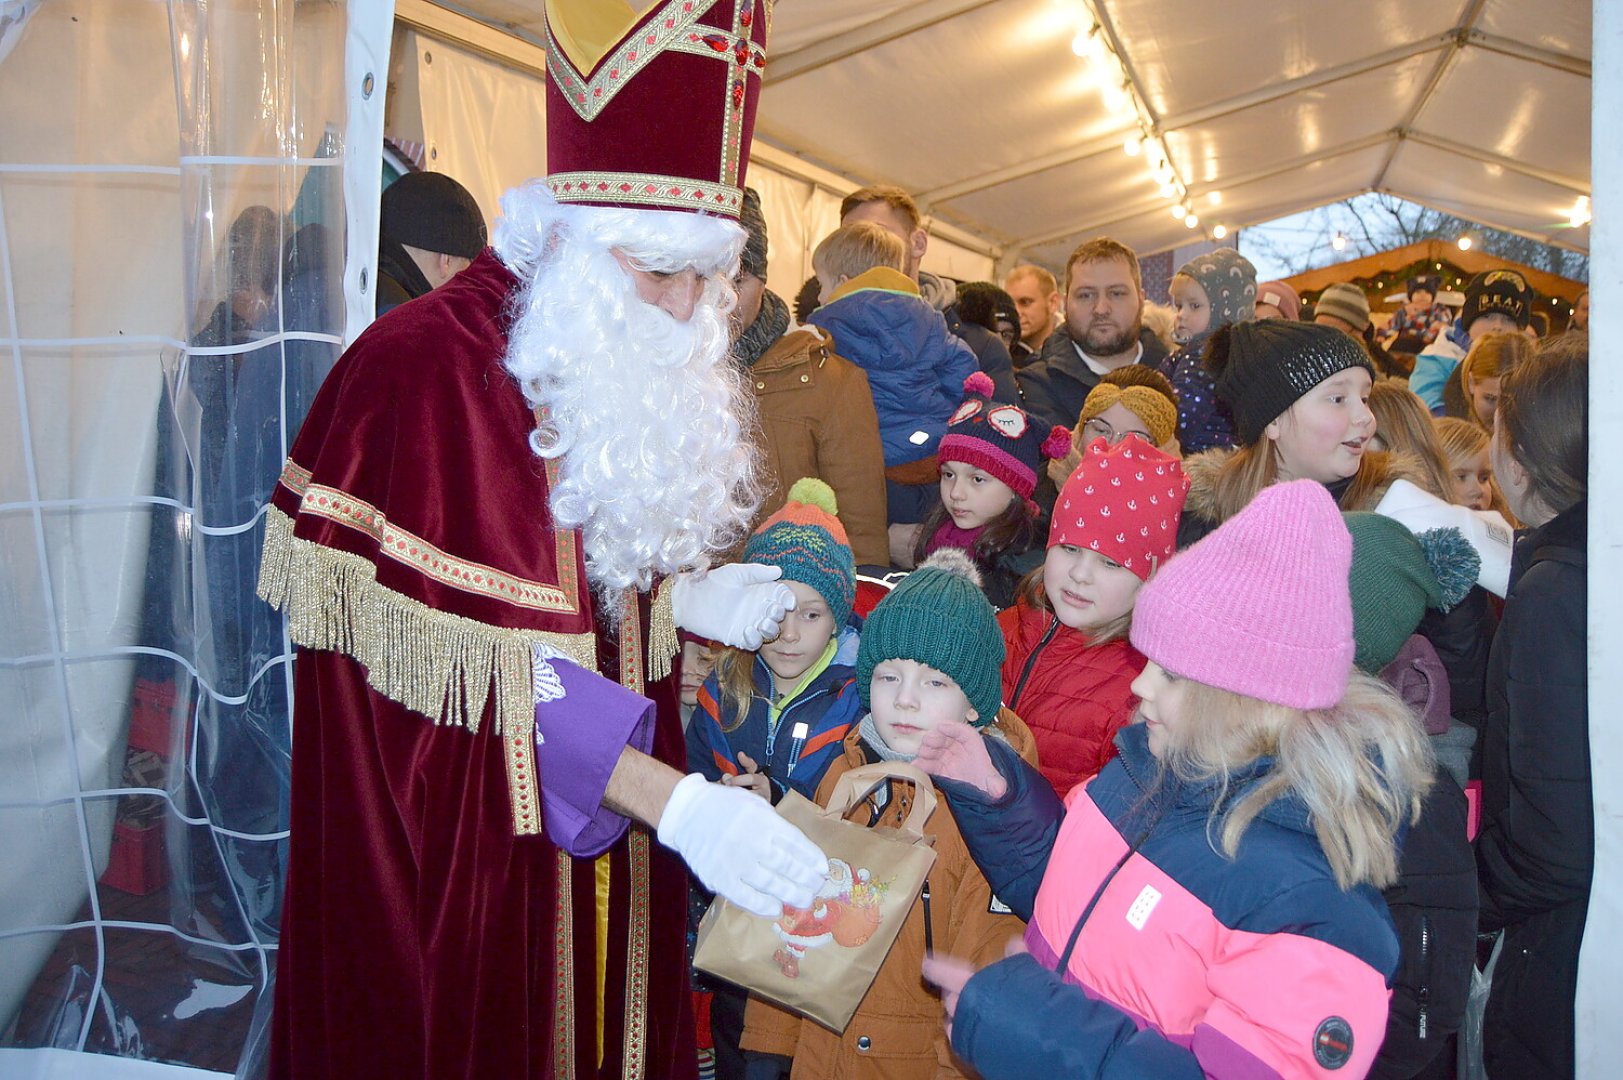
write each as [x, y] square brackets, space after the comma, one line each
[805, 539]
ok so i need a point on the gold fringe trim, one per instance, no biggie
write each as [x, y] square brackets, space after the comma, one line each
[432, 662]
[663, 644]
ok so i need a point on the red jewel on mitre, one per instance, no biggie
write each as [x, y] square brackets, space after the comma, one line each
[660, 117]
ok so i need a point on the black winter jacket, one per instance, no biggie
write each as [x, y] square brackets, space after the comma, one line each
[1434, 909]
[399, 279]
[1056, 383]
[1535, 854]
[990, 353]
[1462, 638]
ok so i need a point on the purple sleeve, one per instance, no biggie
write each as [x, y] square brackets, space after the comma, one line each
[580, 733]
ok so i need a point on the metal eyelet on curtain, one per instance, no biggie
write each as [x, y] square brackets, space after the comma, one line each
[363, 280]
[367, 84]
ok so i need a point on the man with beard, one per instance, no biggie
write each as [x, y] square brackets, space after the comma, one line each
[1103, 330]
[479, 539]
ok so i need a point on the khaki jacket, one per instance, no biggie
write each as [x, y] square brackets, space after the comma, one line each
[897, 1032]
[818, 419]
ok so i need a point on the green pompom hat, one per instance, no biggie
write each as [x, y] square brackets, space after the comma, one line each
[939, 616]
[1396, 575]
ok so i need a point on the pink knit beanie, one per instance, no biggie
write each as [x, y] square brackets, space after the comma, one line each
[1261, 606]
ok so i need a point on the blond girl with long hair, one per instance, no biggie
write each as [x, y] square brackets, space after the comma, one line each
[1300, 396]
[1403, 426]
[1472, 392]
[1209, 903]
[1470, 466]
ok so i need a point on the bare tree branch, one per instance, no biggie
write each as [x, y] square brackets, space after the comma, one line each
[1380, 222]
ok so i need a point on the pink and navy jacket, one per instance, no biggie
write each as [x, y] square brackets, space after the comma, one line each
[1176, 961]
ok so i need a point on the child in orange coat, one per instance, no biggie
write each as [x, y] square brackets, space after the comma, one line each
[929, 654]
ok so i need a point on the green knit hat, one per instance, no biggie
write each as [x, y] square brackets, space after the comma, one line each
[1396, 576]
[805, 538]
[938, 616]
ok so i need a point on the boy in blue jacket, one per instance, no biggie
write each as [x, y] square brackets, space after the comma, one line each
[776, 719]
[773, 719]
[916, 368]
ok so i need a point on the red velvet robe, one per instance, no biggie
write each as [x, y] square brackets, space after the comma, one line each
[423, 935]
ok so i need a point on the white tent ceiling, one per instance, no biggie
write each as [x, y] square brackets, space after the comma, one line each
[1263, 108]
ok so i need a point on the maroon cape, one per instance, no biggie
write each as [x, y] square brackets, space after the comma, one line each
[431, 929]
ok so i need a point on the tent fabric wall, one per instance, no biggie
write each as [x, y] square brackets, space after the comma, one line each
[452, 99]
[172, 231]
[71, 580]
[461, 99]
[988, 115]
[1600, 975]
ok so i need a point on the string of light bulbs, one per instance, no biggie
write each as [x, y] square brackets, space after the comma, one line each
[1116, 90]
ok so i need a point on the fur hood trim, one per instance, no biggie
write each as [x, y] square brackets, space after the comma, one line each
[1204, 469]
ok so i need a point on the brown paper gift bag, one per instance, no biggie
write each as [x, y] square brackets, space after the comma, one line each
[820, 961]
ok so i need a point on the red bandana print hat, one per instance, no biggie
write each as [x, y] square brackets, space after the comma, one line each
[656, 112]
[1123, 501]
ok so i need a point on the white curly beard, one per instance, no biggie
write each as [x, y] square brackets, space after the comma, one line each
[646, 417]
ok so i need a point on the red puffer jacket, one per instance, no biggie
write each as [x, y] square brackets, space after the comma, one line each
[1074, 696]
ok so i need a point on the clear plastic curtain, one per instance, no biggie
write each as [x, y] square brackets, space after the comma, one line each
[173, 231]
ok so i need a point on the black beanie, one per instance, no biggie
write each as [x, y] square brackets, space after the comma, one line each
[753, 259]
[1263, 368]
[1496, 292]
[435, 213]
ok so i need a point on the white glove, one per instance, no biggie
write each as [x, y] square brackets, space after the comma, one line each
[1486, 530]
[740, 604]
[740, 848]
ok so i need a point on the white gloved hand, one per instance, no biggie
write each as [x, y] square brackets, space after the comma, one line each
[1486, 530]
[740, 848]
[740, 604]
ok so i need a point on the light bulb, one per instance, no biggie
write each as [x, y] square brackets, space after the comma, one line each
[1339, 242]
[1191, 221]
[1132, 146]
[1179, 210]
[1220, 231]
[1215, 198]
[1167, 191]
[1465, 243]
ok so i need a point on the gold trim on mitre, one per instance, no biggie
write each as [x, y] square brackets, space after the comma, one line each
[587, 30]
